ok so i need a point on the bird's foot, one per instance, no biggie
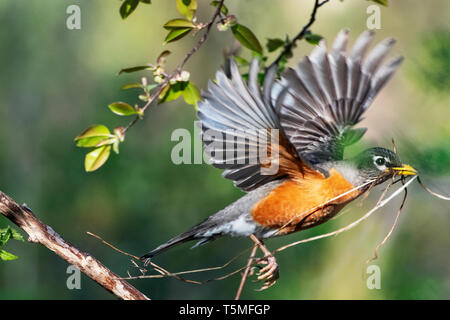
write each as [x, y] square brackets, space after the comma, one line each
[269, 273]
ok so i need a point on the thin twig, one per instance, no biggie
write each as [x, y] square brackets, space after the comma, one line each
[113, 247]
[375, 255]
[288, 47]
[155, 266]
[390, 183]
[163, 273]
[41, 233]
[167, 79]
[177, 274]
[310, 211]
[394, 146]
[351, 225]
[204, 36]
[440, 196]
[246, 272]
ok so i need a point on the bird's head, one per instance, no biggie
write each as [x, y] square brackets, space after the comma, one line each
[381, 164]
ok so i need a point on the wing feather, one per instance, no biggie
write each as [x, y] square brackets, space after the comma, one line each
[235, 119]
[327, 93]
[314, 107]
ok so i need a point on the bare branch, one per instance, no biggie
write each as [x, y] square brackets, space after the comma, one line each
[39, 232]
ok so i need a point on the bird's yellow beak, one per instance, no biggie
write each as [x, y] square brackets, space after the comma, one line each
[404, 170]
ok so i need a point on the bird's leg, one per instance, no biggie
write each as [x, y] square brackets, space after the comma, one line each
[270, 273]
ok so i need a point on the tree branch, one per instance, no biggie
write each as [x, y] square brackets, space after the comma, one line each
[288, 47]
[39, 232]
[167, 79]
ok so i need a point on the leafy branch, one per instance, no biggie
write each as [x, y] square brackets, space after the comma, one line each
[286, 53]
[168, 86]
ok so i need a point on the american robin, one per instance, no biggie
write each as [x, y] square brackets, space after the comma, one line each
[311, 110]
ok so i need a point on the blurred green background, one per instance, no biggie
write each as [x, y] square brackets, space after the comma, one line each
[55, 82]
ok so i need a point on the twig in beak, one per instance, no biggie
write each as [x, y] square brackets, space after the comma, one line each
[394, 146]
[354, 223]
[375, 256]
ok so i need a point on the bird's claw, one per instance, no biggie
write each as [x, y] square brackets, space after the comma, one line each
[269, 273]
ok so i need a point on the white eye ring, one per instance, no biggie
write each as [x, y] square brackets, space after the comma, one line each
[380, 162]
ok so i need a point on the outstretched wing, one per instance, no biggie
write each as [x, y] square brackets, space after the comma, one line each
[326, 94]
[240, 129]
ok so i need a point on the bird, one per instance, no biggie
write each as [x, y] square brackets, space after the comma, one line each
[303, 119]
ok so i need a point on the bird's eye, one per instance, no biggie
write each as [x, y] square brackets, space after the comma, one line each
[380, 161]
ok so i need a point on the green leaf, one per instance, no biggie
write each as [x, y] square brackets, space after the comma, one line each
[246, 37]
[283, 61]
[176, 34]
[132, 86]
[94, 131]
[96, 158]
[187, 8]
[274, 44]
[134, 69]
[122, 109]
[105, 142]
[142, 97]
[161, 60]
[92, 136]
[116, 146]
[5, 256]
[224, 9]
[313, 38]
[152, 86]
[172, 92]
[178, 23]
[91, 142]
[191, 94]
[241, 61]
[5, 234]
[351, 136]
[127, 8]
[261, 76]
[187, 89]
[15, 234]
[146, 1]
[382, 2]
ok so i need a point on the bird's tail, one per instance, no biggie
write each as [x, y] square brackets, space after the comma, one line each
[191, 234]
[169, 244]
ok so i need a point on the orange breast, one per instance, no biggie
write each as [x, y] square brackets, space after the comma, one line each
[295, 200]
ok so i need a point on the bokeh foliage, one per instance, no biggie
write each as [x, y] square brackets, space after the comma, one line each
[55, 82]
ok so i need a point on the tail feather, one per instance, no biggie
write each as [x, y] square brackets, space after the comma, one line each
[184, 237]
[194, 233]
